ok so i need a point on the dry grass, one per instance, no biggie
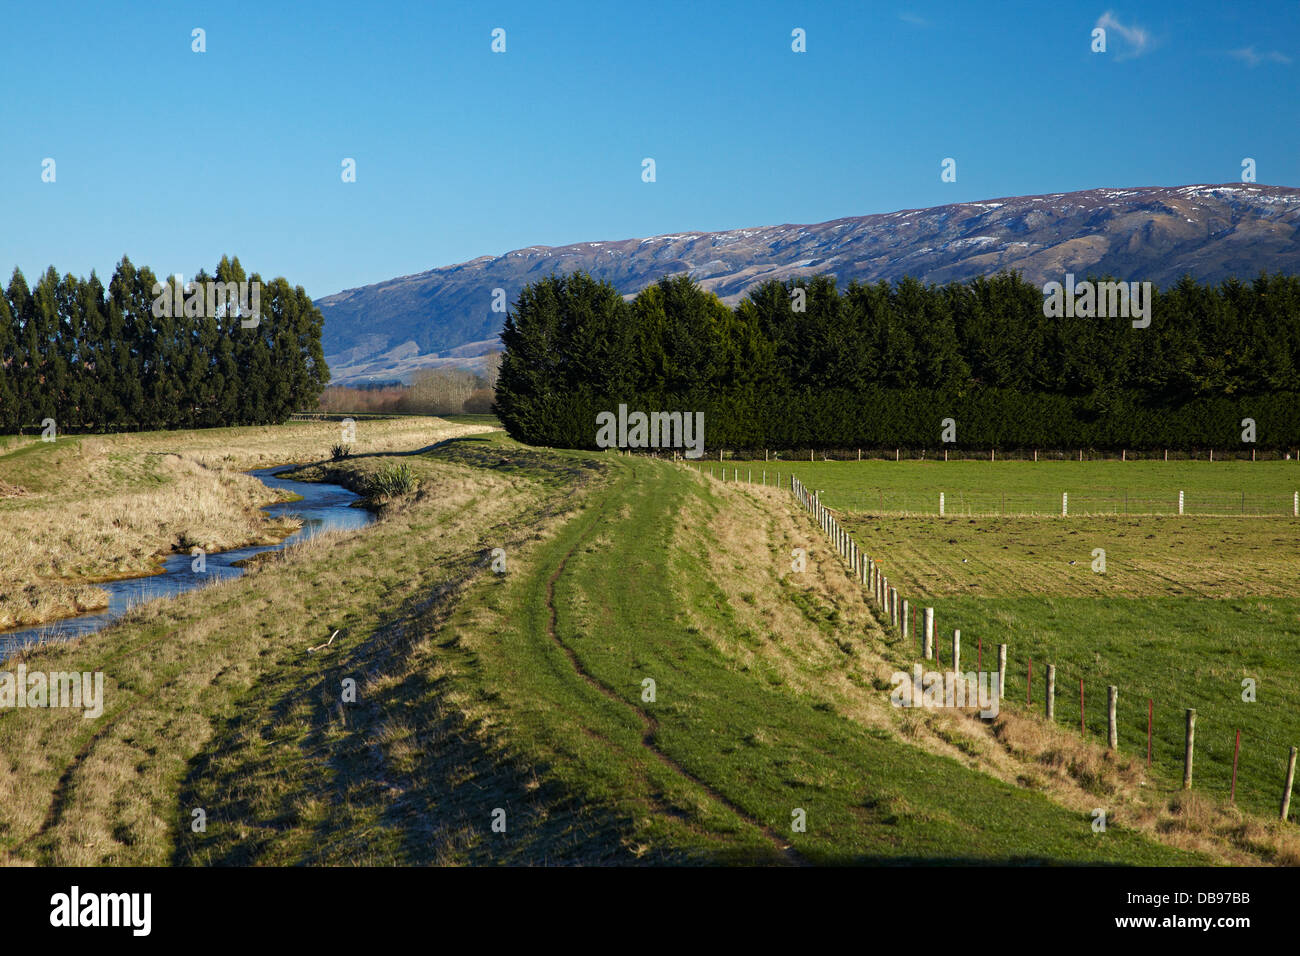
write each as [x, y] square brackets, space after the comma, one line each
[98, 508]
[176, 671]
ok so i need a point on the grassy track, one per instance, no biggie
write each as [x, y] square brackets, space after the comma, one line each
[744, 733]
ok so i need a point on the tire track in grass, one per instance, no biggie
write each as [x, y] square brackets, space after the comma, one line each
[648, 721]
[62, 793]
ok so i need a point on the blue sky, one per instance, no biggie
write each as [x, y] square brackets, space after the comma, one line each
[174, 157]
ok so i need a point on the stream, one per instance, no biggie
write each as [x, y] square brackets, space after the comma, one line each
[324, 507]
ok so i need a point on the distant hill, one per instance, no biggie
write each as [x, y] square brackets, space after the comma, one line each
[444, 317]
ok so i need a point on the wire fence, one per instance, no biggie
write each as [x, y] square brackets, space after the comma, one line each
[1250, 453]
[984, 503]
[900, 616]
[903, 501]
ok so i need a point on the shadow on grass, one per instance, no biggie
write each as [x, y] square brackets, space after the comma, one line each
[429, 799]
[295, 776]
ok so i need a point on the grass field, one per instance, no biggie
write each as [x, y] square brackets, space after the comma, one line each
[522, 697]
[474, 418]
[525, 692]
[1184, 611]
[1176, 652]
[1027, 487]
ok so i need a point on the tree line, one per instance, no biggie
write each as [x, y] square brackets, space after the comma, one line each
[802, 363]
[431, 391]
[145, 354]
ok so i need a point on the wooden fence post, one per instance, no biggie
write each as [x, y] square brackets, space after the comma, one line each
[928, 646]
[1065, 503]
[941, 504]
[956, 651]
[1290, 782]
[1191, 740]
[1002, 670]
[1051, 691]
[903, 621]
[1112, 727]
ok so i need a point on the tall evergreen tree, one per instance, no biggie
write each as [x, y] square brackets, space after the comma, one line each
[8, 374]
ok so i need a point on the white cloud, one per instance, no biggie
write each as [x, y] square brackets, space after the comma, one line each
[913, 19]
[1136, 39]
[1251, 58]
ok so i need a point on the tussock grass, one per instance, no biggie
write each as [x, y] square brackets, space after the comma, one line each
[392, 480]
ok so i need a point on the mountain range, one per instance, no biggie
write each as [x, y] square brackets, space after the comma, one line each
[444, 317]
